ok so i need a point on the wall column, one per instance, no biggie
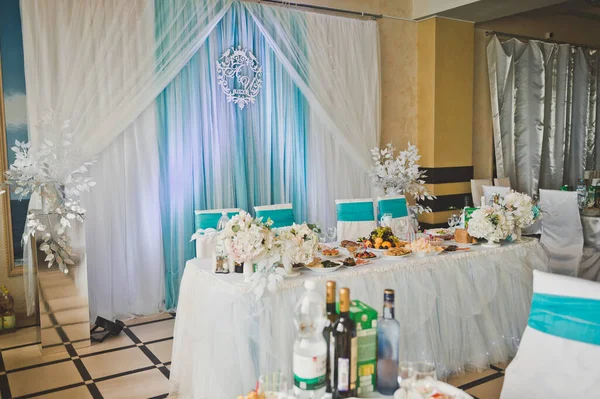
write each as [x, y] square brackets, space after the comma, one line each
[445, 50]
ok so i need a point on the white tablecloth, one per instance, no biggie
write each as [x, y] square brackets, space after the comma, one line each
[460, 309]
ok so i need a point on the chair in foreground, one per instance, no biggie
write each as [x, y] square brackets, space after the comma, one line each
[502, 182]
[559, 351]
[490, 191]
[477, 190]
[562, 234]
[356, 218]
[208, 219]
[282, 215]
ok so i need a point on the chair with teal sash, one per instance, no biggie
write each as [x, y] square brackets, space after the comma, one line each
[356, 218]
[395, 205]
[560, 349]
[209, 218]
[282, 215]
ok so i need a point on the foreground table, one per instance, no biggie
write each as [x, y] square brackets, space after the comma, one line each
[459, 309]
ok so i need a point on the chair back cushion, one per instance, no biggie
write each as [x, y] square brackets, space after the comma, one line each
[395, 205]
[355, 218]
[208, 219]
[559, 352]
[562, 234]
[477, 190]
[502, 182]
[282, 215]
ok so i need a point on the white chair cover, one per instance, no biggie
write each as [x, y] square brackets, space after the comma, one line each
[477, 190]
[547, 365]
[562, 234]
[502, 182]
[490, 191]
[356, 218]
[282, 215]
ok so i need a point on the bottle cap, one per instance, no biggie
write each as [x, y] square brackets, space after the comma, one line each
[310, 285]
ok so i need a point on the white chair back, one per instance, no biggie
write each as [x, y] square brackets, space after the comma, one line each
[559, 351]
[490, 191]
[356, 218]
[477, 190]
[502, 182]
[562, 234]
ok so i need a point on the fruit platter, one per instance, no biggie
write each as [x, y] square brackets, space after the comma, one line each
[381, 238]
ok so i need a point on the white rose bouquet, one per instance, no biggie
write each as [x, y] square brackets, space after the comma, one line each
[524, 211]
[247, 239]
[298, 243]
[491, 222]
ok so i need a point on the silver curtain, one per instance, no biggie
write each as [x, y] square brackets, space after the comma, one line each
[544, 109]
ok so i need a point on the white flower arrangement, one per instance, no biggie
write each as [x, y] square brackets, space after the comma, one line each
[247, 239]
[55, 173]
[521, 206]
[299, 243]
[400, 174]
[491, 222]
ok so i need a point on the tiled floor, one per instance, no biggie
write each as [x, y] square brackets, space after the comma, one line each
[133, 365]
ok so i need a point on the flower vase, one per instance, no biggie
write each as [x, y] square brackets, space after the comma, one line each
[248, 270]
[491, 244]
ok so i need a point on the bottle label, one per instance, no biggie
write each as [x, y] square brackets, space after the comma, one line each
[331, 358]
[9, 321]
[309, 371]
[343, 367]
[353, 358]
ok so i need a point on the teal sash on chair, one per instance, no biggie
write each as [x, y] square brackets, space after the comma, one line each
[210, 220]
[355, 212]
[280, 217]
[396, 206]
[577, 319]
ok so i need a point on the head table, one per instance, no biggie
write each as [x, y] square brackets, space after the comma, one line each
[461, 309]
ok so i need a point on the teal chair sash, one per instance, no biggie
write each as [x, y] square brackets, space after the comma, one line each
[571, 318]
[210, 220]
[280, 217]
[355, 212]
[396, 206]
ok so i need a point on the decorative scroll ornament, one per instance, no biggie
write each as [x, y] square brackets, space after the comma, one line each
[233, 69]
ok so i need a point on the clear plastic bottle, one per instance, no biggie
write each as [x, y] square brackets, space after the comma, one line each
[310, 348]
[388, 345]
[581, 193]
[223, 220]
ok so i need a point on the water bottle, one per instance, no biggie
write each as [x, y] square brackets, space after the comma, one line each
[310, 349]
[581, 193]
[223, 264]
[388, 346]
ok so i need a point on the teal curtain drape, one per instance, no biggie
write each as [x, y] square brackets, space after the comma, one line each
[214, 155]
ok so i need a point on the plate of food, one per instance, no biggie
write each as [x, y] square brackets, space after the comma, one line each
[351, 262]
[444, 234]
[397, 252]
[422, 248]
[366, 255]
[331, 253]
[454, 248]
[432, 389]
[382, 238]
[322, 266]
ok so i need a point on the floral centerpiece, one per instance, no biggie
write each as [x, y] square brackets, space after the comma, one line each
[492, 222]
[54, 172]
[299, 244]
[400, 174]
[523, 210]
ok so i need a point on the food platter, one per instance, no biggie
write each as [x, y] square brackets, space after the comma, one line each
[323, 270]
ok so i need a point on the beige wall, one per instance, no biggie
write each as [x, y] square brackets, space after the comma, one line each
[566, 28]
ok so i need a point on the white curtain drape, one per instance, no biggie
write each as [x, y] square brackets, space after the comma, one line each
[335, 63]
[545, 110]
[100, 65]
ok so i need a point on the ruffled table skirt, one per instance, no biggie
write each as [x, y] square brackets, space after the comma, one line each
[463, 310]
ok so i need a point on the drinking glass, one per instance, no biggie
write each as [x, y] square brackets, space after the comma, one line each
[424, 378]
[272, 382]
[406, 375]
[331, 234]
[386, 220]
[451, 222]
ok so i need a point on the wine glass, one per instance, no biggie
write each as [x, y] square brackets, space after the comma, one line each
[424, 378]
[331, 234]
[406, 375]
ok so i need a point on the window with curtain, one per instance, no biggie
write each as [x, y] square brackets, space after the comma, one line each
[545, 111]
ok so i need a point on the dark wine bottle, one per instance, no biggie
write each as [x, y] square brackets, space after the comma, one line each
[344, 346]
[331, 319]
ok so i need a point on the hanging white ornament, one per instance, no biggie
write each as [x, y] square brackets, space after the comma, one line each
[232, 68]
